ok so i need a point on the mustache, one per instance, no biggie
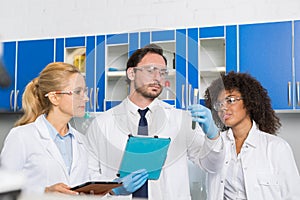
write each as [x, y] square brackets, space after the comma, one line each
[154, 83]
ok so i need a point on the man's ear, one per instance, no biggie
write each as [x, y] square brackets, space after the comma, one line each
[130, 73]
[54, 99]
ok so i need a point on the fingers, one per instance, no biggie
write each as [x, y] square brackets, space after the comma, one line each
[61, 188]
[139, 171]
[139, 182]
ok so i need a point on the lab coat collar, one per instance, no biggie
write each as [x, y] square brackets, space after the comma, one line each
[158, 116]
[134, 108]
[53, 132]
[42, 127]
[251, 140]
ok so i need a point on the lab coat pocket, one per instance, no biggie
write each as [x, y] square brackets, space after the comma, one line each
[267, 179]
[269, 185]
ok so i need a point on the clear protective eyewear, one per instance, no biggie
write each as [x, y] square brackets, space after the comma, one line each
[227, 101]
[151, 69]
[79, 92]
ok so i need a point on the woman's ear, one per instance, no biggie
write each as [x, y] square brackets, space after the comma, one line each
[130, 73]
[54, 99]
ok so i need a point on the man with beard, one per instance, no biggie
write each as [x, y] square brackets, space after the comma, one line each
[108, 133]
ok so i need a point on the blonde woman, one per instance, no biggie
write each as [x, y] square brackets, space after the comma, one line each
[43, 145]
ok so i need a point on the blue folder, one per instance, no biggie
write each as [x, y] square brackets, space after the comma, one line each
[144, 153]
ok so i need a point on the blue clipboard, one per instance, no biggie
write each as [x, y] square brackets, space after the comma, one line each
[144, 153]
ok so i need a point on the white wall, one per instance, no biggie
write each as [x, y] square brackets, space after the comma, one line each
[26, 19]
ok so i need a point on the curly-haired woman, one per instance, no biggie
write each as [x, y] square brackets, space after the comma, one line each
[259, 165]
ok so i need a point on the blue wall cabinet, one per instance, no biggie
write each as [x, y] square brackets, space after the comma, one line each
[266, 53]
[297, 64]
[7, 95]
[212, 55]
[32, 57]
[24, 61]
[117, 48]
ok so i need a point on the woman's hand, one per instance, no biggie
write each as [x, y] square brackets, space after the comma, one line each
[60, 188]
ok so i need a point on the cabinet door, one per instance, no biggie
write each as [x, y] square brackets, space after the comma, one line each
[181, 69]
[297, 62]
[9, 61]
[211, 56]
[117, 52]
[100, 72]
[32, 57]
[90, 72]
[266, 53]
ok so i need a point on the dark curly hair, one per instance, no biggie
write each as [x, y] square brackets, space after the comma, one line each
[255, 97]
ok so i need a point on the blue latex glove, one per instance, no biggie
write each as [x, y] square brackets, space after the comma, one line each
[131, 182]
[203, 116]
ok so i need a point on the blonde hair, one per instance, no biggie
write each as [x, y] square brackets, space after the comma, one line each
[52, 78]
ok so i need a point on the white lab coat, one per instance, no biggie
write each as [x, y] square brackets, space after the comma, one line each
[108, 134]
[268, 165]
[30, 149]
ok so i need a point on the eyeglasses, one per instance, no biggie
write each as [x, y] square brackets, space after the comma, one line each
[226, 102]
[79, 92]
[151, 69]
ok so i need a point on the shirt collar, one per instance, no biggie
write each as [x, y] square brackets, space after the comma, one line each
[133, 107]
[53, 132]
[251, 139]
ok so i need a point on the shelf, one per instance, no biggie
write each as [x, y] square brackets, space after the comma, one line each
[76, 56]
[118, 74]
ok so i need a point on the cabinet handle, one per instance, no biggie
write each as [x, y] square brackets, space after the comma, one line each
[16, 102]
[91, 95]
[190, 94]
[10, 100]
[289, 94]
[97, 103]
[182, 96]
[298, 93]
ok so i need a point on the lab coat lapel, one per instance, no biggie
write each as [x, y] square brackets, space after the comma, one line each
[121, 116]
[76, 152]
[49, 143]
[159, 120]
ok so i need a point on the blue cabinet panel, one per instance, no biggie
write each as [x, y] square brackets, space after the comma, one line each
[90, 70]
[59, 49]
[9, 61]
[210, 32]
[162, 35]
[144, 39]
[193, 58]
[33, 56]
[100, 71]
[75, 42]
[133, 42]
[266, 53]
[297, 63]
[231, 48]
[117, 38]
[181, 82]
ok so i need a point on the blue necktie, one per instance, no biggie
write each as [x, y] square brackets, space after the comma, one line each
[142, 130]
[143, 125]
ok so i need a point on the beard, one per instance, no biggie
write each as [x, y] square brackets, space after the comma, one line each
[144, 91]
